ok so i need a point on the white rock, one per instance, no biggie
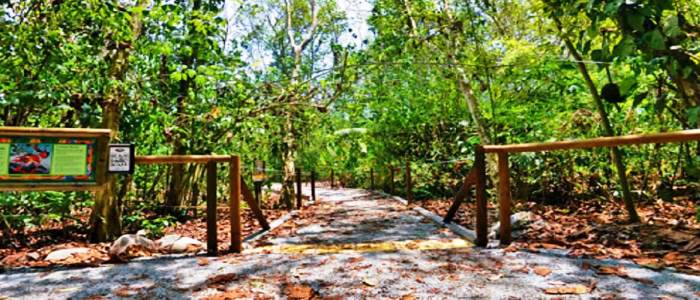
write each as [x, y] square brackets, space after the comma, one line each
[64, 254]
[121, 245]
[518, 222]
[174, 243]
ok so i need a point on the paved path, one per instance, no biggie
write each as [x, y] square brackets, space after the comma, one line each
[352, 245]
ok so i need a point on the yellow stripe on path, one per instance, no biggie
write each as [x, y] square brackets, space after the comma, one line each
[391, 246]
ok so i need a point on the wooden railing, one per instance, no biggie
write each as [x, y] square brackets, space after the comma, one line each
[237, 187]
[504, 196]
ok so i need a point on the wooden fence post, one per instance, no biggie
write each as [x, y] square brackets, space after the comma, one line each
[504, 198]
[391, 180]
[409, 184]
[212, 247]
[298, 179]
[481, 208]
[313, 186]
[235, 204]
[332, 179]
[257, 185]
[462, 193]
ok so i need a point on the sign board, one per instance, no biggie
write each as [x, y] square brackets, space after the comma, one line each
[33, 157]
[121, 158]
[259, 173]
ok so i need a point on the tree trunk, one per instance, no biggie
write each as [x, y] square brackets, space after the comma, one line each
[289, 154]
[615, 152]
[289, 158]
[105, 219]
[290, 140]
[176, 188]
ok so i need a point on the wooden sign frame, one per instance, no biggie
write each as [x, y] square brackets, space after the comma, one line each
[37, 140]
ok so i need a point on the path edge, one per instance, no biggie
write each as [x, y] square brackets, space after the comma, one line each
[273, 225]
[455, 228]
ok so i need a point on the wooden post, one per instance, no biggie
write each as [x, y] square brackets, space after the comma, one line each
[257, 185]
[391, 180]
[313, 186]
[212, 247]
[332, 179]
[254, 207]
[235, 204]
[481, 208]
[409, 184]
[371, 179]
[462, 193]
[504, 198]
[298, 178]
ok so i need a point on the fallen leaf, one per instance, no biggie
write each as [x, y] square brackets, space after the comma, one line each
[408, 297]
[611, 270]
[298, 292]
[222, 278]
[542, 271]
[370, 281]
[671, 257]
[229, 295]
[568, 289]
[124, 292]
[523, 269]
[652, 263]
[202, 261]
[495, 277]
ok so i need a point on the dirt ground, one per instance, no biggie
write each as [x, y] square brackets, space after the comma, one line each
[668, 237]
[40, 241]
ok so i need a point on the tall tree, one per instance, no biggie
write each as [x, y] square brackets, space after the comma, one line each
[106, 214]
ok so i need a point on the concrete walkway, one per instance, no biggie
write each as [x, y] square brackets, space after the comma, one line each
[353, 245]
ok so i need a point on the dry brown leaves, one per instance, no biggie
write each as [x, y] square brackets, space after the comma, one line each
[32, 252]
[96, 255]
[220, 281]
[234, 294]
[542, 271]
[620, 272]
[202, 261]
[196, 228]
[125, 292]
[299, 292]
[670, 236]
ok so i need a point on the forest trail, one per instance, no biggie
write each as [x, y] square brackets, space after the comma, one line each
[353, 244]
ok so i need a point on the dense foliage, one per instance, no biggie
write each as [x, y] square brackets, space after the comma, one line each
[291, 82]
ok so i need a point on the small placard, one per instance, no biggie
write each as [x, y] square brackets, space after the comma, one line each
[121, 158]
[259, 174]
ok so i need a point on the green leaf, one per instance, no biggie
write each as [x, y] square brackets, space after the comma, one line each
[635, 20]
[626, 47]
[612, 7]
[671, 28]
[694, 115]
[655, 40]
